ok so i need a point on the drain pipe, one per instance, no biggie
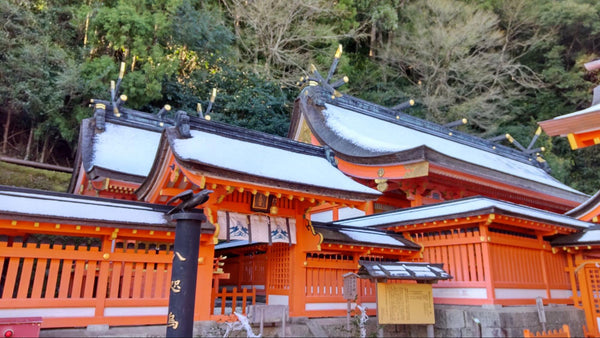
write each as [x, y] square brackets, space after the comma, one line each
[478, 323]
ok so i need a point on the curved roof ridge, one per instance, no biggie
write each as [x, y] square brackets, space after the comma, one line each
[134, 118]
[384, 113]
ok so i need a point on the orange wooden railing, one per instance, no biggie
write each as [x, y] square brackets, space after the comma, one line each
[233, 301]
[72, 285]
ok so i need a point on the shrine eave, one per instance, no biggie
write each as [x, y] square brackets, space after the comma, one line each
[582, 121]
[589, 237]
[365, 134]
[463, 208]
[365, 237]
[423, 161]
[588, 209]
[403, 271]
[99, 173]
[559, 194]
[376, 119]
[43, 206]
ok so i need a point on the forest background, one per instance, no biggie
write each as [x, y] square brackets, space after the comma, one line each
[503, 65]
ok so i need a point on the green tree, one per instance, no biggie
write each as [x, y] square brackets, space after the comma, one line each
[455, 56]
[244, 98]
[279, 38]
[31, 64]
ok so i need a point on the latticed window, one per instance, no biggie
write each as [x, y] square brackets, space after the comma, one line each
[279, 266]
[593, 279]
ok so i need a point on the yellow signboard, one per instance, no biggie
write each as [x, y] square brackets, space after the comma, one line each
[405, 304]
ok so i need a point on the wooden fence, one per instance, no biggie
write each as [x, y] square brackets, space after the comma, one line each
[226, 302]
[502, 267]
[71, 285]
[324, 285]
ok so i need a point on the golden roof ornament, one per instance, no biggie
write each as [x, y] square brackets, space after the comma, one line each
[330, 91]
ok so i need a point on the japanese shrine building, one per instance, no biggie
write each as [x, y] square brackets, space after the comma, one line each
[353, 182]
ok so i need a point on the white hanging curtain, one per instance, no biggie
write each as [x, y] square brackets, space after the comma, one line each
[256, 228]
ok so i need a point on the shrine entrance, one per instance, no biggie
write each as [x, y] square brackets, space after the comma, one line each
[262, 267]
[253, 261]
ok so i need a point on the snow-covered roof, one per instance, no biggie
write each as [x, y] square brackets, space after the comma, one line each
[381, 136]
[588, 237]
[461, 208]
[81, 209]
[402, 270]
[264, 160]
[124, 149]
[372, 237]
[363, 236]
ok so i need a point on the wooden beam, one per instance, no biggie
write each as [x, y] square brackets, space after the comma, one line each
[170, 191]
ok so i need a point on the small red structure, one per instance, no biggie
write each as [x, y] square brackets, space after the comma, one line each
[20, 327]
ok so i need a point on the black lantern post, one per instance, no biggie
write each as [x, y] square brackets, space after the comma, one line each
[190, 225]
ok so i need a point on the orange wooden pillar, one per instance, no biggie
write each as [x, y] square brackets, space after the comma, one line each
[487, 263]
[417, 201]
[369, 208]
[103, 276]
[544, 265]
[305, 241]
[206, 255]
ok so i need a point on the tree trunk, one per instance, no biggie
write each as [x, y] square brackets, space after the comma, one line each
[29, 144]
[373, 38]
[6, 130]
[42, 156]
[47, 150]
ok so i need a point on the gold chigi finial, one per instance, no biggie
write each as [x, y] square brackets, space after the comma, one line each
[213, 96]
[338, 52]
[316, 79]
[122, 70]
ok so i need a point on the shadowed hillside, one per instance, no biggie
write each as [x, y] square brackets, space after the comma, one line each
[23, 176]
